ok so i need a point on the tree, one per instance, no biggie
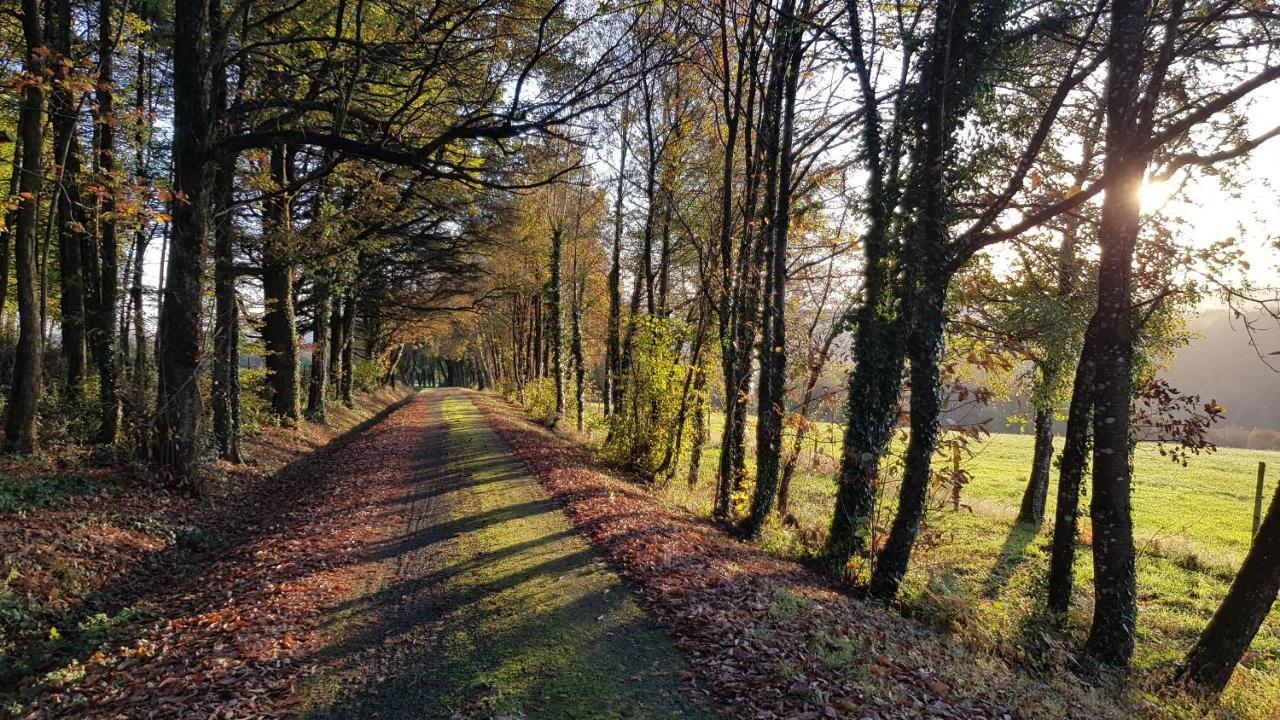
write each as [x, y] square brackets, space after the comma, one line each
[226, 329]
[102, 337]
[778, 129]
[557, 317]
[461, 141]
[1131, 142]
[1213, 659]
[73, 238]
[20, 433]
[613, 357]
[279, 323]
[178, 403]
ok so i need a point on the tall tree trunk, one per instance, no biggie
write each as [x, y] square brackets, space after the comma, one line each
[664, 256]
[348, 347]
[226, 331]
[1036, 496]
[699, 425]
[745, 314]
[279, 324]
[24, 392]
[142, 238]
[613, 350]
[138, 317]
[731, 107]
[64, 111]
[771, 405]
[575, 347]
[732, 444]
[71, 242]
[537, 364]
[628, 340]
[317, 388]
[924, 351]
[1115, 611]
[675, 433]
[123, 321]
[50, 222]
[1225, 639]
[556, 321]
[166, 239]
[335, 339]
[7, 232]
[965, 37]
[1075, 455]
[651, 199]
[954, 61]
[874, 385]
[103, 335]
[178, 401]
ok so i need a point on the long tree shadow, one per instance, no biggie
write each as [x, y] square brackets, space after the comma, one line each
[496, 608]
[1013, 555]
[591, 655]
[175, 570]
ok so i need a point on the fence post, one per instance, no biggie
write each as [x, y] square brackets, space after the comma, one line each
[955, 474]
[1257, 497]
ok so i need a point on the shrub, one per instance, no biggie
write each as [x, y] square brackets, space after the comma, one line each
[645, 429]
[540, 399]
[366, 375]
[507, 389]
[255, 405]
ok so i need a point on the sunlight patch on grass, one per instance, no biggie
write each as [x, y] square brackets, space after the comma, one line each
[539, 626]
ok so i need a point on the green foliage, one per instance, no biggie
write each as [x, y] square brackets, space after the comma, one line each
[42, 491]
[366, 375]
[173, 533]
[645, 429]
[65, 423]
[540, 399]
[50, 646]
[255, 408]
[507, 389]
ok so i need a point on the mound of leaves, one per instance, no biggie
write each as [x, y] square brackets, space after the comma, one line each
[769, 637]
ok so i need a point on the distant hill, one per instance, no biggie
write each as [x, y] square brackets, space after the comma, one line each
[1220, 364]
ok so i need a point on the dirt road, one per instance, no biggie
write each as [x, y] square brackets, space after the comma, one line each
[487, 603]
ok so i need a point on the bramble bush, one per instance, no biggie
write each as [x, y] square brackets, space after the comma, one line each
[644, 430]
[540, 399]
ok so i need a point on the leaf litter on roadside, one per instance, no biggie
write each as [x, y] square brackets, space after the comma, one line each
[769, 637]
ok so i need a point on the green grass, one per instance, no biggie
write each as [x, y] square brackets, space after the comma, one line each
[544, 629]
[978, 574]
[520, 618]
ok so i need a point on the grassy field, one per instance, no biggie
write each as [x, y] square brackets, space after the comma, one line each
[978, 574]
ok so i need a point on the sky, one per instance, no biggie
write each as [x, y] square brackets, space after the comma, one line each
[1215, 214]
